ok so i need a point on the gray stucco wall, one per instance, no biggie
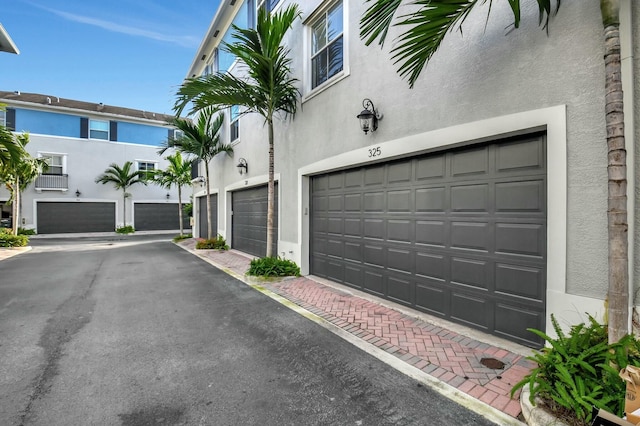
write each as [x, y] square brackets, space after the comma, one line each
[483, 73]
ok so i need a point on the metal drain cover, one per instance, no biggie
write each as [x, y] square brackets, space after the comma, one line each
[492, 363]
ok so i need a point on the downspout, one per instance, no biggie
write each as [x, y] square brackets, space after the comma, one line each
[626, 53]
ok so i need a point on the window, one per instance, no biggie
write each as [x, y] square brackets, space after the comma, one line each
[212, 66]
[234, 123]
[327, 46]
[3, 118]
[267, 5]
[148, 167]
[55, 163]
[99, 129]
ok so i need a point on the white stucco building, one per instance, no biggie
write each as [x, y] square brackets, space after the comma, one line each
[482, 195]
[80, 140]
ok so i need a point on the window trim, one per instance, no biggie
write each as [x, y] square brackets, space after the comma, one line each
[63, 157]
[3, 117]
[154, 162]
[234, 121]
[92, 120]
[321, 10]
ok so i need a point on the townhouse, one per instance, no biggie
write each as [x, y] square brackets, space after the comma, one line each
[481, 196]
[80, 140]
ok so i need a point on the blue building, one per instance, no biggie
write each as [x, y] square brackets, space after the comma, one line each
[80, 140]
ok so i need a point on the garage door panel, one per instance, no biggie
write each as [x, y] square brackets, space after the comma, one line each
[452, 233]
[400, 290]
[158, 217]
[335, 270]
[528, 154]
[202, 211]
[470, 272]
[519, 281]
[526, 196]
[430, 200]
[334, 248]
[374, 282]
[509, 320]
[522, 239]
[70, 217]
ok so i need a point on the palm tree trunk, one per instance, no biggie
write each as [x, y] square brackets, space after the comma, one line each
[618, 293]
[124, 207]
[180, 209]
[16, 206]
[206, 173]
[270, 195]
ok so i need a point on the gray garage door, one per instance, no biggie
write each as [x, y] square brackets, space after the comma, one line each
[158, 217]
[459, 234]
[61, 217]
[202, 216]
[250, 221]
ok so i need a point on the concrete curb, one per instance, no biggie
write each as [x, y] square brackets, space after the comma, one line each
[442, 388]
[536, 416]
[7, 252]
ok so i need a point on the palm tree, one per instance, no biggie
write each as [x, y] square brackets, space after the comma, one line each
[267, 89]
[177, 173]
[201, 140]
[10, 150]
[434, 19]
[18, 172]
[122, 178]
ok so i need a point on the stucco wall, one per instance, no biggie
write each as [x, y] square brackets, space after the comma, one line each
[485, 73]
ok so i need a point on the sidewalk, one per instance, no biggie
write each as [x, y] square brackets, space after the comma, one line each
[474, 369]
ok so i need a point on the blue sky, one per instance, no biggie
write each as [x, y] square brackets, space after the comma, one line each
[129, 53]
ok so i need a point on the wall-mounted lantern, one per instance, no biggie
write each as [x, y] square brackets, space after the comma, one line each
[242, 166]
[369, 116]
[78, 193]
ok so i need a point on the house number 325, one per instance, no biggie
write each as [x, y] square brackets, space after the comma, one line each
[375, 152]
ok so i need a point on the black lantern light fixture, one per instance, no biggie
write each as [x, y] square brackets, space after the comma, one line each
[168, 195]
[369, 116]
[242, 166]
[78, 193]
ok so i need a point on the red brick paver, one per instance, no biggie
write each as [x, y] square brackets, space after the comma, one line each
[444, 354]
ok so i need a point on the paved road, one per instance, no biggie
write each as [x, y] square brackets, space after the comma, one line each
[136, 331]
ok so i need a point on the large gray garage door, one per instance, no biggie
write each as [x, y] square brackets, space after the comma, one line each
[202, 216]
[158, 217]
[459, 234]
[250, 221]
[61, 217]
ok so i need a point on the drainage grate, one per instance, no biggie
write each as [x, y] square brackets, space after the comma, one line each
[492, 363]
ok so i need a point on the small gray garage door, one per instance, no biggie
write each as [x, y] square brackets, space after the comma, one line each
[459, 234]
[250, 221]
[158, 217]
[202, 216]
[61, 217]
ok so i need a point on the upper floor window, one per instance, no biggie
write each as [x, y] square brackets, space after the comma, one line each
[212, 66]
[267, 5]
[148, 167]
[234, 123]
[327, 45]
[55, 163]
[99, 129]
[3, 117]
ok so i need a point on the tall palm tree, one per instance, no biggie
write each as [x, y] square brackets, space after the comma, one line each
[434, 19]
[177, 173]
[201, 139]
[122, 178]
[18, 172]
[267, 89]
[10, 150]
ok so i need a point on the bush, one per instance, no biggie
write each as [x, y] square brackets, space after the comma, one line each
[25, 231]
[580, 371]
[125, 230]
[9, 240]
[178, 238]
[217, 243]
[273, 267]
[188, 209]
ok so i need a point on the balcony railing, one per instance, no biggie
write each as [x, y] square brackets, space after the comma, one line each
[59, 182]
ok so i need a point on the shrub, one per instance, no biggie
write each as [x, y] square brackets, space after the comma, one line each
[25, 231]
[9, 240]
[580, 371]
[217, 243]
[125, 230]
[188, 209]
[273, 267]
[178, 238]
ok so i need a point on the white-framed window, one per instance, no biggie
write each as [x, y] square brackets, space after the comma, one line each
[178, 134]
[3, 117]
[56, 163]
[99, 129]
[267, 5]
[234, 123]
[148, 167]
[212, 65]
[326, 48]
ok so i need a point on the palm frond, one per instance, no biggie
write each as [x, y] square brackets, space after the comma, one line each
[376, 21]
